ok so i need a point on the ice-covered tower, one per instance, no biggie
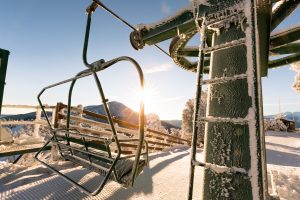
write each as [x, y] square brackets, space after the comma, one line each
[235, 44]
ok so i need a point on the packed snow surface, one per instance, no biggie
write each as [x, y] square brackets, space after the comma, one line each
[165, 178]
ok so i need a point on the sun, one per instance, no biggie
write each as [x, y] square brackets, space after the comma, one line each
[148, 96]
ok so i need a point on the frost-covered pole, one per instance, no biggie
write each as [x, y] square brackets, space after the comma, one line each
[233, 134]
[237, 49]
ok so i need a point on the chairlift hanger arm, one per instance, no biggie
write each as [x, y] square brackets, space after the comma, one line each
[93, 68]
[92, 8]
[152, 34]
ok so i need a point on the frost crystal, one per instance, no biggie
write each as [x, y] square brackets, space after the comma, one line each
[199, 2]
[296, 84]
[296, 66]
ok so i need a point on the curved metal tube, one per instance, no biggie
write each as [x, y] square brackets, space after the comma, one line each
[109, 118]
[93, 68]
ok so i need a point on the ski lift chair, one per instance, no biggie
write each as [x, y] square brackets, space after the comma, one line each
[94, 151]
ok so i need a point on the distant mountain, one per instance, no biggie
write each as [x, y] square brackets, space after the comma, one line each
[172, 123]
[117, 110]
[26, 117]
[295, 116]
[122, 112]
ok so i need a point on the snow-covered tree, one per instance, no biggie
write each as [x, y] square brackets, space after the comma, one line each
[296, 85]
[175, 132]
[153, 122]
[296, 66]
[274, 125]
[187, 118]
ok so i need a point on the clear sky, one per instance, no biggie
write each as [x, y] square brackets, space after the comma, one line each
[45, 39]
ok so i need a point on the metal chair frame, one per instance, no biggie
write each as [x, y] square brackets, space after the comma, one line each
[69, 133]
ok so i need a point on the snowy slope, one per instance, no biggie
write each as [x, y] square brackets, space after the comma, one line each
[165, 178]
[283, 158]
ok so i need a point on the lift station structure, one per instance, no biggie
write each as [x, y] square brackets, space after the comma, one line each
[236, 43]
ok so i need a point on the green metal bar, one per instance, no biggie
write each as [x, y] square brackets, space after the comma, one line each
[274, 63]
[263, 13]
[189, 51]
[104, 100]
[174, 25]
[3, 67]
[284, 61]
[98, 3]
[285, 37]
[81, 187]
[286, 49]
[92, 144]
[151, 35]
[18, 158]
[24, 151]
[196, 115]
[282, 12]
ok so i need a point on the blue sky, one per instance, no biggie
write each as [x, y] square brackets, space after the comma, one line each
[45, 39]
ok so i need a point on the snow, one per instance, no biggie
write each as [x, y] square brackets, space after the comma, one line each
[24, 139]
[224, 119]
[275, 124]
[166, 177]
[296, 66]
[200, 2]
[283, 158]
[223, 169]
[296, 85]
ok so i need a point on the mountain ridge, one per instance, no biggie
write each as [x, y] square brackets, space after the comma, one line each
[117, 109]
[125, 113]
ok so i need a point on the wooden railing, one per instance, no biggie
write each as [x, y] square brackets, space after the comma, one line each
[16, 148]
[92, 123]
[81, 121]
[37, 122]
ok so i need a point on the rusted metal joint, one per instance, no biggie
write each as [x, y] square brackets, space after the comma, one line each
[92, 8]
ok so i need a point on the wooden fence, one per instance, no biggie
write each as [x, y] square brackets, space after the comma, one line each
[11, 149]
[89, 123]
[37, 122]
[96, 124]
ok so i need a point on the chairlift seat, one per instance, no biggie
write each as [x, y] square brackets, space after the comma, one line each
[99, 157]
[102, 150]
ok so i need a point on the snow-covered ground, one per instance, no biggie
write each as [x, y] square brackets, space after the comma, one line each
[283, 158]
[165, 178]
